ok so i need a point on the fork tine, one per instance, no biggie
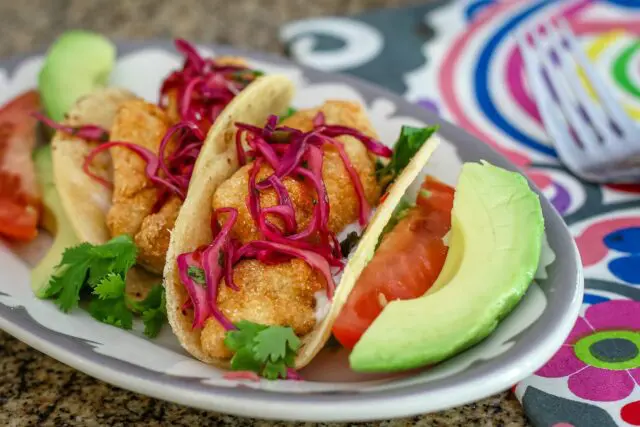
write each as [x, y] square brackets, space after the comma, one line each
[596, 114]
[551, 117]
[565, 98]
[601, 89]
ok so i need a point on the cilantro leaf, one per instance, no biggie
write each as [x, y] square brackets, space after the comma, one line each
[411, 139]
[290, 112]
[243, 336]
[111, 311]
[121, 250]
[154, 311]
[244, 360]
[153, 320]
[273, 371]
[100, 267]
[70, 284]
[102, 270]
[197, 274]
[75, 254]
[111, 286]
[266, 350]
[274, 342]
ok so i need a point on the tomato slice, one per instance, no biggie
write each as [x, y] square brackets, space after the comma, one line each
[436, 195]
[18, 221]
[19, 195]
[406, 264]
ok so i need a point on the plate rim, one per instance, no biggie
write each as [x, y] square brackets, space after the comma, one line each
[344, 406]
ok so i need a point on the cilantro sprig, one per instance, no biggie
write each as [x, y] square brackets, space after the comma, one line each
[99, 272]
[290, 112]
[265, 350]
[411, 139]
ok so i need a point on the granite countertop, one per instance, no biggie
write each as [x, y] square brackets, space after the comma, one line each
[37, 390]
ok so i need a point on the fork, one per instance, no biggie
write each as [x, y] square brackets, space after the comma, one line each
[596, 139]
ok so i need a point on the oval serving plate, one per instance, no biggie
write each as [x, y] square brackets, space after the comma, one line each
[524, 341]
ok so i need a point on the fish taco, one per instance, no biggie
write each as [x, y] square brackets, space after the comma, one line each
[266, 249]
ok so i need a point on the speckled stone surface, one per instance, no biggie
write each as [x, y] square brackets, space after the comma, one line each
[37, 390]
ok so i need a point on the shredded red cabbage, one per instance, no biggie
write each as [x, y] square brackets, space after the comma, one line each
[88, 132]
[241, 375]
[290, 153]
[197, 293]
[203, 87]
[151, 170]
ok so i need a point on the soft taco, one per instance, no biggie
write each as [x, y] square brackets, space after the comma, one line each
[261, 251]
[123, 166]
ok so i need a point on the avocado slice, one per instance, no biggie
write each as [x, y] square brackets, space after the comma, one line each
[77, 63]
[54, 220]
[496, 236]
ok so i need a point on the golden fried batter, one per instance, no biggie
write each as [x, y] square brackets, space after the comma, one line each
[283, 294]
[233, 194]
[134, 195]
[153, 238]
[342, 195]
[263, 293]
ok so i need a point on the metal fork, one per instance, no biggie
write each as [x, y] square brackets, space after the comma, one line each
[596, 139]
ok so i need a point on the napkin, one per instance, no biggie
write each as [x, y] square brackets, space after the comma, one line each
[459, 59]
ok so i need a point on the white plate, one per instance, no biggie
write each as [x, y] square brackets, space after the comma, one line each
[524, 341]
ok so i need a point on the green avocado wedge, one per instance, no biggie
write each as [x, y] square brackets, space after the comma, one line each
[77, 63]
[495, 243]
[55, 221]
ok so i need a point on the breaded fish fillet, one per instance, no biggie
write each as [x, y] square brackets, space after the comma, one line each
[233, 194]
[263, 293]
[342, 195]
[283, 294]
[134, 195]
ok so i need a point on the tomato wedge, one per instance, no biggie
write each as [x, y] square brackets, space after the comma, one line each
[406, 264]
[435, 195]
[19, 195]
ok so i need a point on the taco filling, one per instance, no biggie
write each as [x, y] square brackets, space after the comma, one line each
[280, 224]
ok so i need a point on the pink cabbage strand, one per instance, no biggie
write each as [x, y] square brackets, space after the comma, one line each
[151, 169]
[216, 261]
[92, 133]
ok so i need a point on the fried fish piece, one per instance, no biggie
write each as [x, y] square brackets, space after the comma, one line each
[263, 293]
[233, 194]
[153, 238]
[342, 195]
[283, 294]
[134, 195]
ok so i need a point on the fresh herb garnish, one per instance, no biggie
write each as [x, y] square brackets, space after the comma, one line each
[197, 274]
[102, 270]
[265, 350]
[246, 76]
[349, 243]
[290, 112]
[411, 139]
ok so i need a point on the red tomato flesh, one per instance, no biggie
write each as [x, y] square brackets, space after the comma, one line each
[406, 264]
[19, 195]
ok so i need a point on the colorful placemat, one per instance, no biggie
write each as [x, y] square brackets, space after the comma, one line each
[459, 58]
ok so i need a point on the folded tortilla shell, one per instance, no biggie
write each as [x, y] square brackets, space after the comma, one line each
[217, 162]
